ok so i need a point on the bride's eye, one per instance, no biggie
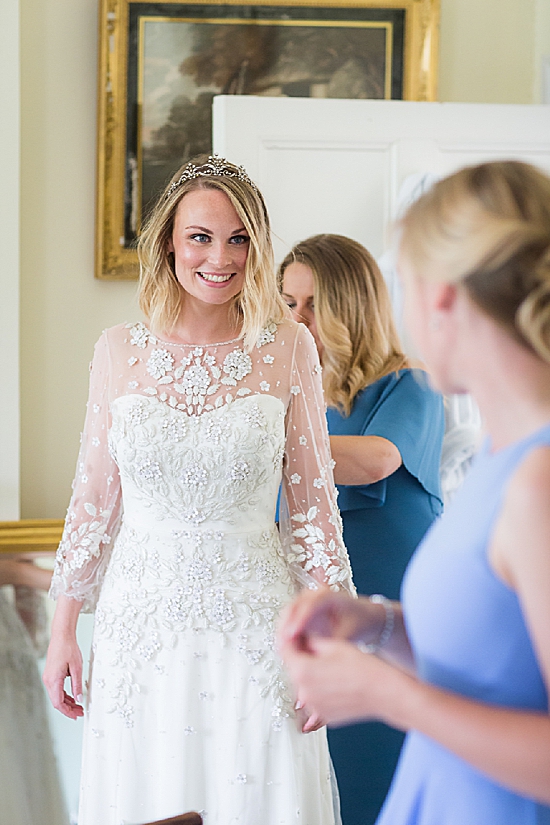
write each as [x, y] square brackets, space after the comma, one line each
[239, 240]
[200, 237]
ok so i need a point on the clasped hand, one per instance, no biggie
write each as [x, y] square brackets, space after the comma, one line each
[333, 679]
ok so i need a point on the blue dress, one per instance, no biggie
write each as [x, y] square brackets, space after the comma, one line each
[469, 636]
[383, 524]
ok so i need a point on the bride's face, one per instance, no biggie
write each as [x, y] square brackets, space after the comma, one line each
[210, 246]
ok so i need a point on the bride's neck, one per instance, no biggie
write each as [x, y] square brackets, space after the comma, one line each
[205, 325]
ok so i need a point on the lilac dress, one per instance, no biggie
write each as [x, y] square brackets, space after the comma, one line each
[469, 636]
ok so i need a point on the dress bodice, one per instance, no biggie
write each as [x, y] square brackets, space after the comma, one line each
[221, 467]
[191, 437]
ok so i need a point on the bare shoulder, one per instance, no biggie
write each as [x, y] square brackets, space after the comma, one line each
[521, 539]
[529, 487]
[120, 332]
[289, 327]
[129, 335]
[297, 335]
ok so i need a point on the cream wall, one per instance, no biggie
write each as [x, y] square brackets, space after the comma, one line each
[487, 51]
[9, 268]
[63, 308]
[488, 54]
[541, 52]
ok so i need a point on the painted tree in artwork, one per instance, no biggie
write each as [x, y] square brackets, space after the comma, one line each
[288, 60]
[295, 61]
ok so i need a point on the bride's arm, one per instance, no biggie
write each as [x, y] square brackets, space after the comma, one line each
[91, 523]
[94, 511]
[64, 660]
[310, 523]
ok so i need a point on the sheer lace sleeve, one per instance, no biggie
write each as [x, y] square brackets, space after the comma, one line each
[94, 510]
[310, 524]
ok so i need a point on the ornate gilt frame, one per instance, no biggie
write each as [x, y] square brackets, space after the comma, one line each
[30, 537]
[115, 261]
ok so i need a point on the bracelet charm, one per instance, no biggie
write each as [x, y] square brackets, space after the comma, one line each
[387, 630]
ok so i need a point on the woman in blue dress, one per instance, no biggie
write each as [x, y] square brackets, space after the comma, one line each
[386, 428]
[464, 663]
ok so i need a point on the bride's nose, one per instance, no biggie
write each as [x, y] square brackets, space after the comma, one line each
[299, 318]
[220, 255]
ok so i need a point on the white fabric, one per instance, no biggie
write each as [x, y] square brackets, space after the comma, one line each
[30, 792]
[462, 439]
[182, 457]
[462, 419]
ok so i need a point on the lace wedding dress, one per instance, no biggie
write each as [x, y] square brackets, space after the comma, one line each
[171, 529]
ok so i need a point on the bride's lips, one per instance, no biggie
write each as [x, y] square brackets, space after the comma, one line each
[216, 278]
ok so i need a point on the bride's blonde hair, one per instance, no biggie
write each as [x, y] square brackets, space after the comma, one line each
[160, 294]
[487, 227]
[353, 315]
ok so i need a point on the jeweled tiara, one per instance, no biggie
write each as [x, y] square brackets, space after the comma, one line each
[215, 166]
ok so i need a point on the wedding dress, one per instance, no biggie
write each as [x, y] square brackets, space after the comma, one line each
[171, 531]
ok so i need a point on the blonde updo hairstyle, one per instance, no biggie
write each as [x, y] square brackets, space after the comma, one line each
[487, 228]
[161, 296]
[353, 315]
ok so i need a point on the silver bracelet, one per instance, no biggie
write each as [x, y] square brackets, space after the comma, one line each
[387, 630]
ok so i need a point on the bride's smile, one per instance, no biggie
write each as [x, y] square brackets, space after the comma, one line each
[210, 247]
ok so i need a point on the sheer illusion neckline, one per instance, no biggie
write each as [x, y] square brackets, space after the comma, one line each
[185, 345]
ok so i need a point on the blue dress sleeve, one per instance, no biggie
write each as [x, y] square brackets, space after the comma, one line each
[404, 409]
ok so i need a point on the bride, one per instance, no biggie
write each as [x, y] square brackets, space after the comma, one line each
[193, 420]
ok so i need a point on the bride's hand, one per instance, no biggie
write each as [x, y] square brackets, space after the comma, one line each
[307, 720]
[64, 660]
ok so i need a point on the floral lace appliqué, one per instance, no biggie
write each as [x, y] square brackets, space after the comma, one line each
[197, 376]
[316, 552]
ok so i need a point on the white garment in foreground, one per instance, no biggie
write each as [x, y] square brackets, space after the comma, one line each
[30, 791]
[188, 705]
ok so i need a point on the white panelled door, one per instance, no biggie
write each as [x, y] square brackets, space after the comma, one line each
[337, 165]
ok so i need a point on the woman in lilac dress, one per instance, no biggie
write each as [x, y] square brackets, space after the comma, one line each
[464, 664]
[386, 428]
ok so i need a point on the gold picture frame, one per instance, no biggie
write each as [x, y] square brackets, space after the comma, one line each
[30, 537]
[396, 48]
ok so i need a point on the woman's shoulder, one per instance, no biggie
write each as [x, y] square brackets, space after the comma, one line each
[403, 377]
[407, 386]
[291, 330]
[129, 334]
[287, 333]
[286, 326]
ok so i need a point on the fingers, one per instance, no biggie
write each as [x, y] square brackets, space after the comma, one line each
[61, 700]
[70, 708]
[307, 720]
[305, 611]
[314, 722]
[61, 665]
[75, 671]
[333, 680]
